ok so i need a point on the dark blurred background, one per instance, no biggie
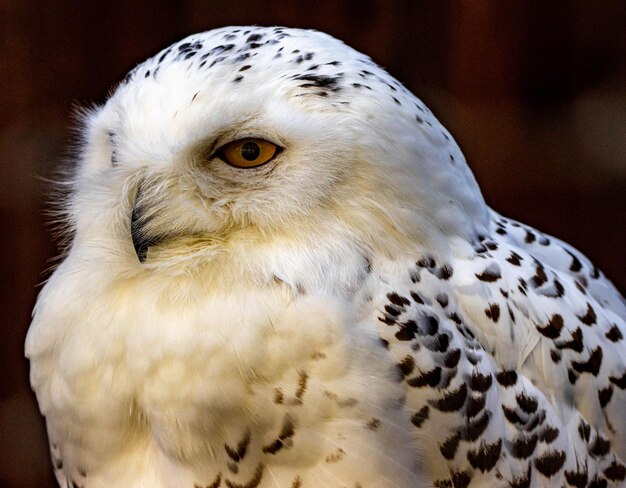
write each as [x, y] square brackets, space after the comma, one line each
[534, 91]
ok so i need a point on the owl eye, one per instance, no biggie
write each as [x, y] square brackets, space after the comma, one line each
[248, 153]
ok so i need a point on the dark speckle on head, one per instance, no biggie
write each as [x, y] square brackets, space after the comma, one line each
[318, 81]
[221, 49]
[217, 60]
[164, 55]
[254, 37]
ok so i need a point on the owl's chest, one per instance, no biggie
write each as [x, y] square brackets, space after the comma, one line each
[237, 371]
[186, 385]
[237, 382]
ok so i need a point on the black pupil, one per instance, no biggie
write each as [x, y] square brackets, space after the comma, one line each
[250, 151]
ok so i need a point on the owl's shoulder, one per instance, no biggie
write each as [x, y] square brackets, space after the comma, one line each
[513, 363]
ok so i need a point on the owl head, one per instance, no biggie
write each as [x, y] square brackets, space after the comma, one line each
[249, 134]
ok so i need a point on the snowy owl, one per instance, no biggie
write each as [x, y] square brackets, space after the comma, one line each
[282, 273]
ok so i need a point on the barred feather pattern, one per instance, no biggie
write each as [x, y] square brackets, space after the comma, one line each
[512, 358]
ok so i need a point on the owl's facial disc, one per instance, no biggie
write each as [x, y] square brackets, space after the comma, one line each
[152, 222]
[271, 137]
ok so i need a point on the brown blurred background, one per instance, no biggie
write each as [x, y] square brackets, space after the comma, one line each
[534, 91]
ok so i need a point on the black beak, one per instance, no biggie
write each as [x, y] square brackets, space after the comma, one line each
[138, 224]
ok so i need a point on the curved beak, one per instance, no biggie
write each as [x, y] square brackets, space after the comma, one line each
[142, 240]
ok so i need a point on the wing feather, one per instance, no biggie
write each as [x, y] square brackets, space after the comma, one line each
[513, 357]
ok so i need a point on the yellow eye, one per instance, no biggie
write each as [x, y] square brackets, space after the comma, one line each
[248, 153]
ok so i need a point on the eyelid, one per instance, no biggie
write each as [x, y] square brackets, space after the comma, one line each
[227, 138]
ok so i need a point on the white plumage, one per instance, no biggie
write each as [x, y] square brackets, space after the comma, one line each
[346, 313]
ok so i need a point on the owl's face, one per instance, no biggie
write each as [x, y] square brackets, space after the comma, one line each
[263, 132]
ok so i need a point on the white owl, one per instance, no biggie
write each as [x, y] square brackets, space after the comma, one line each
[283, 274]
